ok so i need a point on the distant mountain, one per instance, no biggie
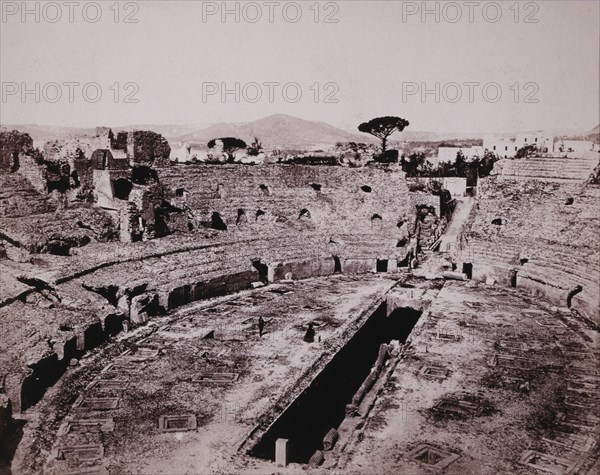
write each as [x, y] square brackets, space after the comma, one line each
[282, 130]
[418, 136]
[278, 130]
[594, 134]
[275, 131]
[43, 133]
[169, 131]
[591, 135]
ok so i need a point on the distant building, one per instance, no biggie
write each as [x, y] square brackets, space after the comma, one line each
[507, 147]
[543, 141]
[577, 146]
[448, 154]
[190, 153]
[501, 146]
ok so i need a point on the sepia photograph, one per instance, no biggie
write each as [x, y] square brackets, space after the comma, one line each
[313, 237]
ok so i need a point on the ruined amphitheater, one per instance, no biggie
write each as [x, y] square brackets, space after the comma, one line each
[398, 334]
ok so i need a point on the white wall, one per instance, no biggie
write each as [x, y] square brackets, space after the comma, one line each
[503, 147]
[539, 139]
[508, 147]
[457, 186]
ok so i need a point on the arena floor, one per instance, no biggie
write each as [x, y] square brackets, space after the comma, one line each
[487, 382]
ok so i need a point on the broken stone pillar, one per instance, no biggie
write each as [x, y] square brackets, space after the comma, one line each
[138, 314]
[123, 304]
[454, 276]
[330, 439]
[281, 452]
[317, 459]
[271, 272]
[80, 339]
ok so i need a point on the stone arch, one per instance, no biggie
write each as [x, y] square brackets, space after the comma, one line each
[572, 294]
[241, 218]
[337, 265]
[216, 222]
[144, 175]
[304, 214]
[121, 188]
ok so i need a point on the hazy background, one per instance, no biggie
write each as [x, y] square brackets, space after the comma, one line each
[369, 53]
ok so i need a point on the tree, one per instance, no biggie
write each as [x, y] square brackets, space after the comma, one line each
[230, 146]
[485, 165]
[255, 148]
[389, 156]
[526, 151]
[383, 127]
[460, 164]
[12, 144]
[413, 166]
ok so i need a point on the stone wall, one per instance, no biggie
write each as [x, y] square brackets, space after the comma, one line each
[148, 148]
[33, 172]
[361, 210]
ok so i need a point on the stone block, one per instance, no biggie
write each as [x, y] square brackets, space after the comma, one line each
[281, 452]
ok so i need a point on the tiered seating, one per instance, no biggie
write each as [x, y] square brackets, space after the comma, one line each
[554, 226]
[182, 268]
[334, 197]
[547, 169]
[75, 227]
[18, 198]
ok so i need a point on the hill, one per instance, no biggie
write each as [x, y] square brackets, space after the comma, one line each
[279, 130]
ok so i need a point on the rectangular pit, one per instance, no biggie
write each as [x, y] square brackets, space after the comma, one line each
[458, 408]
[547, 463]
[83, 453]
[79, 426]
[108, 384]
[581, 443]
[177, 423]
[322, 405]
[124, 367]
[435, 372]
[97, 403]
[432, 457]
[511, 362]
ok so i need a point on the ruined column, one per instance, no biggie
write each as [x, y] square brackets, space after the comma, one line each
[281, 452]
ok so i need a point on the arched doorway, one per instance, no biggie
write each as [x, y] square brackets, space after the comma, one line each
[337, 265]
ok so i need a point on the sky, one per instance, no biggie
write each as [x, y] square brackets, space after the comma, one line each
[444, 66]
